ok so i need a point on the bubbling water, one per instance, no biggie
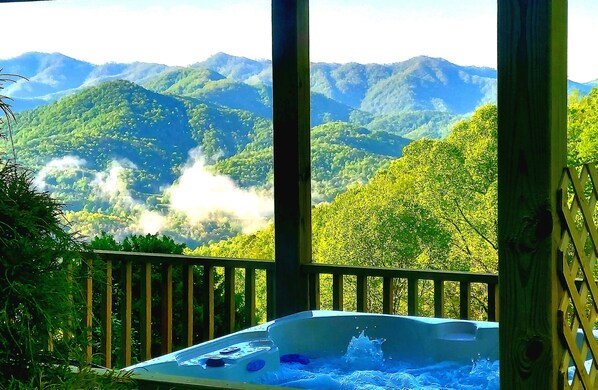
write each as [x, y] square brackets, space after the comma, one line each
[364, 353]
[363, 367]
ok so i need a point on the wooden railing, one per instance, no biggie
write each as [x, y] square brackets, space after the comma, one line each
[144, 263]
[413, 277]
[108, 270]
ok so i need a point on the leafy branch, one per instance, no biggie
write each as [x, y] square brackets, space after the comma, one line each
[6, 108]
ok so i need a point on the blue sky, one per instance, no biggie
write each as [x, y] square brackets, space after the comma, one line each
[181, 32]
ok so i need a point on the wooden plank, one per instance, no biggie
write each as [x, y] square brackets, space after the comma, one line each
[578, 360]
[362, 294]
[438, 298]
[578, 245]
[208, 303]
[250, 297]
[145, 323]
[387, 295]
[337, 292]
[292, 157]
[314, 292]
[126, 312]
[412, 297]
[188, 304]
[88, 318]
[585, 324]
[106, 317]
[464, 300]
[166, 344]
[532, 123]
[584, 207]
[401, 273]
[270, 295]
[493, 306]
[229, 299]
[163, 258]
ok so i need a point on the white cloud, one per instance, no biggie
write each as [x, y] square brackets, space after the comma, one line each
[56, 165]
[112, 185]
[202, 195]
[198, 194]
[151, 222]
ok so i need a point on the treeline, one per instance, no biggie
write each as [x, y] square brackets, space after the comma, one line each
[433, 208]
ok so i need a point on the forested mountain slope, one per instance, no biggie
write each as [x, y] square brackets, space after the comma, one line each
[118, 155]
[433, 208]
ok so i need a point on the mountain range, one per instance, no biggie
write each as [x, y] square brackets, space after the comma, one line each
[123, 145]
[420, 83]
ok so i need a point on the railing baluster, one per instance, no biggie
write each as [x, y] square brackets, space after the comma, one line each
[88, 294]
[145, 261]
[362, 293]
[464, 300]
[188, 304]
[208, 302]
[387, 295]
[337, 292]
[270, 295]
[106, 316]
[314, 291]
[492, 301]
[412, 296]
[126, 312]
[438, 298]
[229, 299]
[145, 332]
[250, 296]
[166, 345]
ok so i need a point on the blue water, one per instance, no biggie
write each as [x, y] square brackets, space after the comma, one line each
[364, 367]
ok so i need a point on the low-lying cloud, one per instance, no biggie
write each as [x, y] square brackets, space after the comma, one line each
[112, 184]
[200, 195]
[56, 165]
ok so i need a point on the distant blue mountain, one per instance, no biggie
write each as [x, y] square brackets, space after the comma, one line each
[54, 75]
[419, 97]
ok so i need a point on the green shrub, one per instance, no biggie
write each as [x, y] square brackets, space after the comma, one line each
[39, 299]
[41, 304]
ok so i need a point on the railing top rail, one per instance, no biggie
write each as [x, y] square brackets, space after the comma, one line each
[162, 258]
[314, 268]
[453, 276]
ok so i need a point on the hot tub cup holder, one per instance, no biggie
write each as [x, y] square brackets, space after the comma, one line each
[456, 331]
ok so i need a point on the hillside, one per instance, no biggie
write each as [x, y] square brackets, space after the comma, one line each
[118, 154]
[188, 151]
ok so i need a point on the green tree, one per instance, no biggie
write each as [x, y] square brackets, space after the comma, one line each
[40, 302]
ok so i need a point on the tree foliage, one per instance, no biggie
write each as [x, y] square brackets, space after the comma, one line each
[433, 208]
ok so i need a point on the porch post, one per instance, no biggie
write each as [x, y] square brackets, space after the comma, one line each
[292, 158]
[532, 123]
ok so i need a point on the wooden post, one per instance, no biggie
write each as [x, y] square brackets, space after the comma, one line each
[145, 322]
[229, 300]
[532, 122]
[362, 293]
[292, 165]
[107, 316]
[166, 346]
[126, 313]
[188, 304]
[88, 295]
[250, 297]
[208, 302]
[337, 292]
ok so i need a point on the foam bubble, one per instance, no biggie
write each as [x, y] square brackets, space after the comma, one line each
[363, 367]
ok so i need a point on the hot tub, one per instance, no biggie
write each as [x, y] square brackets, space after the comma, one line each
[255, 353]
